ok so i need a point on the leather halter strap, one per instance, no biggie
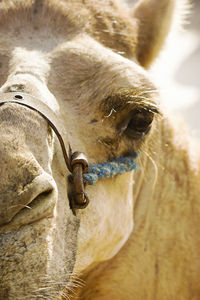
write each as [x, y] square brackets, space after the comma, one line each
[40, 107]
[76, 162]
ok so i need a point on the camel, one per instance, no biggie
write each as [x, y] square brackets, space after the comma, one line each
[86, 62]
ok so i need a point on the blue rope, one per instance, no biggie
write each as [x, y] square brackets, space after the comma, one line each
[111, 168]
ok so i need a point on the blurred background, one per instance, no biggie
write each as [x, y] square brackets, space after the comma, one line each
[177, 71]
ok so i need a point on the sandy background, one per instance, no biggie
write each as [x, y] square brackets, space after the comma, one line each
[177, 71]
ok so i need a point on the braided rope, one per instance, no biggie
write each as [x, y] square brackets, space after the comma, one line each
[111, 168]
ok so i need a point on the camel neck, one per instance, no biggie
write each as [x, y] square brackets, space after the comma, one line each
[169, 170]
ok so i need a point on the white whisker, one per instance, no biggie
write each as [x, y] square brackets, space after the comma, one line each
[22, 205]
[155, 169]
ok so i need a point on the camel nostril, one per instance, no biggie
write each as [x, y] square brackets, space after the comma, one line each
[36, 200]
[41, 206]
[45, 193]
[39, 198]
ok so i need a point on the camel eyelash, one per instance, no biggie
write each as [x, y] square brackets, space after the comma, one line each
[130, 100]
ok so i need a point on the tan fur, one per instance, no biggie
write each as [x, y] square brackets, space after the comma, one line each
[139, 236]
[160, 260]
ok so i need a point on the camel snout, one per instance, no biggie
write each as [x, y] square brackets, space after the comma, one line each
[32, 200]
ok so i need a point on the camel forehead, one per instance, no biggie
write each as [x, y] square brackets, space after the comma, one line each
[46, 39]
[79, 67]
[71, 36]
[108, 26]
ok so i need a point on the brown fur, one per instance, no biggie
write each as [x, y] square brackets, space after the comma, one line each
[86, 59]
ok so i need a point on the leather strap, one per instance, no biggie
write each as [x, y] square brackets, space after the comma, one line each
[76, 162]
[40, 107]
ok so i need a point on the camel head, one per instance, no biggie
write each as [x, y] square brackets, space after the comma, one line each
[86, 61]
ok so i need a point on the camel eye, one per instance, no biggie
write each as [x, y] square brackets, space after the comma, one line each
[139, 123]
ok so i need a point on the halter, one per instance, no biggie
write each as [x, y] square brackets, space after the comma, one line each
[76, 162]
[111, 168]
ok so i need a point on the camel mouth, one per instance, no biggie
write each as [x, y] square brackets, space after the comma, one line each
[41, 207]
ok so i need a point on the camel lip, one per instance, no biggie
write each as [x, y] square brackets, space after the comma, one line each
[42, 207]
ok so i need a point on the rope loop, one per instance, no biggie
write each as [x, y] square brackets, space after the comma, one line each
[111, 168]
